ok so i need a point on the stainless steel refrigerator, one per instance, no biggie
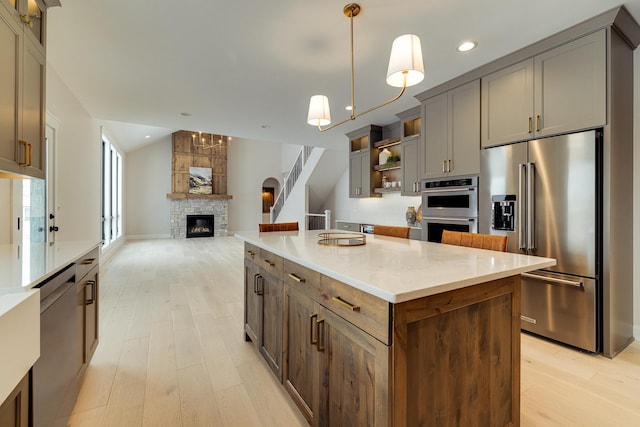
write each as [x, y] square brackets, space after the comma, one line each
[545, 195]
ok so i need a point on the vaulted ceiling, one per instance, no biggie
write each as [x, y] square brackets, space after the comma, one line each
[247, 68]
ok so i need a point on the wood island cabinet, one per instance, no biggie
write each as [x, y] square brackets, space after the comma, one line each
[352, 358]
[22, 88]
[263, 294]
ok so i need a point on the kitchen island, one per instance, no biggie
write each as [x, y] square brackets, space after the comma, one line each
[394, 332]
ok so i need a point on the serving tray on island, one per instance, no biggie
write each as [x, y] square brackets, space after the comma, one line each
[337, 238]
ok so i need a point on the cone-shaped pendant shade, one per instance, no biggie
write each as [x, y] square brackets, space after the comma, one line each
[319, 114]
[405, 62]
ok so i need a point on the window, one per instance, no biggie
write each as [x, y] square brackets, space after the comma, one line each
[111, 193]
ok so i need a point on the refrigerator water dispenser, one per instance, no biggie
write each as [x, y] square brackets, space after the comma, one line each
[503, 209]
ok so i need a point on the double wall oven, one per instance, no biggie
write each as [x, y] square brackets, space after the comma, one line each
[449, 204]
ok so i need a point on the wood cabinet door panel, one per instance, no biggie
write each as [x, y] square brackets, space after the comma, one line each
[251, 302]
[300, 367]
[271, 322]
[354, 370]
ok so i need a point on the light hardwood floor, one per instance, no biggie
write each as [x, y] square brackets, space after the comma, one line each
[172, 353]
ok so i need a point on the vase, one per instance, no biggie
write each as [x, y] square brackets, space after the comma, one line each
[410, 215]
[383, 157]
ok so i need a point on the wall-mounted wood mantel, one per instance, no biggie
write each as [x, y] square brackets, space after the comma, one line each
[199, 196]
[186, 155]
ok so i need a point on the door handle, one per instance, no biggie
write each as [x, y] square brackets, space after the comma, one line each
[531, 206]
[312, 322]
[320, 343]
[91, 284]
[26, 153]
[53, 228]
[575, 283]
[522, 244]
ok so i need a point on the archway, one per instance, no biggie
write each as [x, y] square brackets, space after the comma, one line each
[270, 190]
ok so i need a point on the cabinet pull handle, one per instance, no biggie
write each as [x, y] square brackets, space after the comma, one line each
[88, 261]
[346, 304]
[251, 253]
[26, 155]
[255, 283]
[92, 285]
[320, 344]
[25, 19]
[30, 155]
[538, 123]
[530, 130]
[444, 166]
[311, 323]
[296, 278]
[260, 281]
[449, 165]
[269, 263]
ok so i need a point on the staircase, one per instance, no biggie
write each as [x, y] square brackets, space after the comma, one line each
[306, 187]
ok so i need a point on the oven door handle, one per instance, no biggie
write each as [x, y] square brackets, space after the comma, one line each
[449, 189]
[442, 218]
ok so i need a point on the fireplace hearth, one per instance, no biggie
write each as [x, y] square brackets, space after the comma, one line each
[200, 226]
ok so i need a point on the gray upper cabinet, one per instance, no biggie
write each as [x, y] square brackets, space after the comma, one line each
[451, 129]
[571, 87]
[507, 105]
[22, 88]
[558, 91]
[410, 137]
[361, 161]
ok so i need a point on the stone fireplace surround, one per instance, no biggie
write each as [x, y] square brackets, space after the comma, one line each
[180, 208]
[182, 203]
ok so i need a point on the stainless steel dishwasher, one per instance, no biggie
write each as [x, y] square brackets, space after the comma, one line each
[55, 372]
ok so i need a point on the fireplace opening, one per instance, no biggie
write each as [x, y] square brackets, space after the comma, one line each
[200, 226]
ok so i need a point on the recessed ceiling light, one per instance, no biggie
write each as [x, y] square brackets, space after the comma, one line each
[147, 136]
[467, 46]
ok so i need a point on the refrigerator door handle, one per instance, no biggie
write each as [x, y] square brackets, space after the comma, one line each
[522, 244]
[531, 211]
[576, 283]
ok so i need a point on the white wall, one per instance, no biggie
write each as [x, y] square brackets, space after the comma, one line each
[78, 163]
[249, 163]
[5, 211]
[147, 182]
[387, 210]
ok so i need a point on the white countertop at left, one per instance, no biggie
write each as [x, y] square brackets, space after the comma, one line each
[396, 270]
[22, 267]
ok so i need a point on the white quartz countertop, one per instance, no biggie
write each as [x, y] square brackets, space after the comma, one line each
[22, 267]
[396, 270]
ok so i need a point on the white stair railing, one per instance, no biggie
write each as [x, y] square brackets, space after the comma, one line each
[319, 221]
[289, 181]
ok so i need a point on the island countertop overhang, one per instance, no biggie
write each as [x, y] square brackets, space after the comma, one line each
[396, 270]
